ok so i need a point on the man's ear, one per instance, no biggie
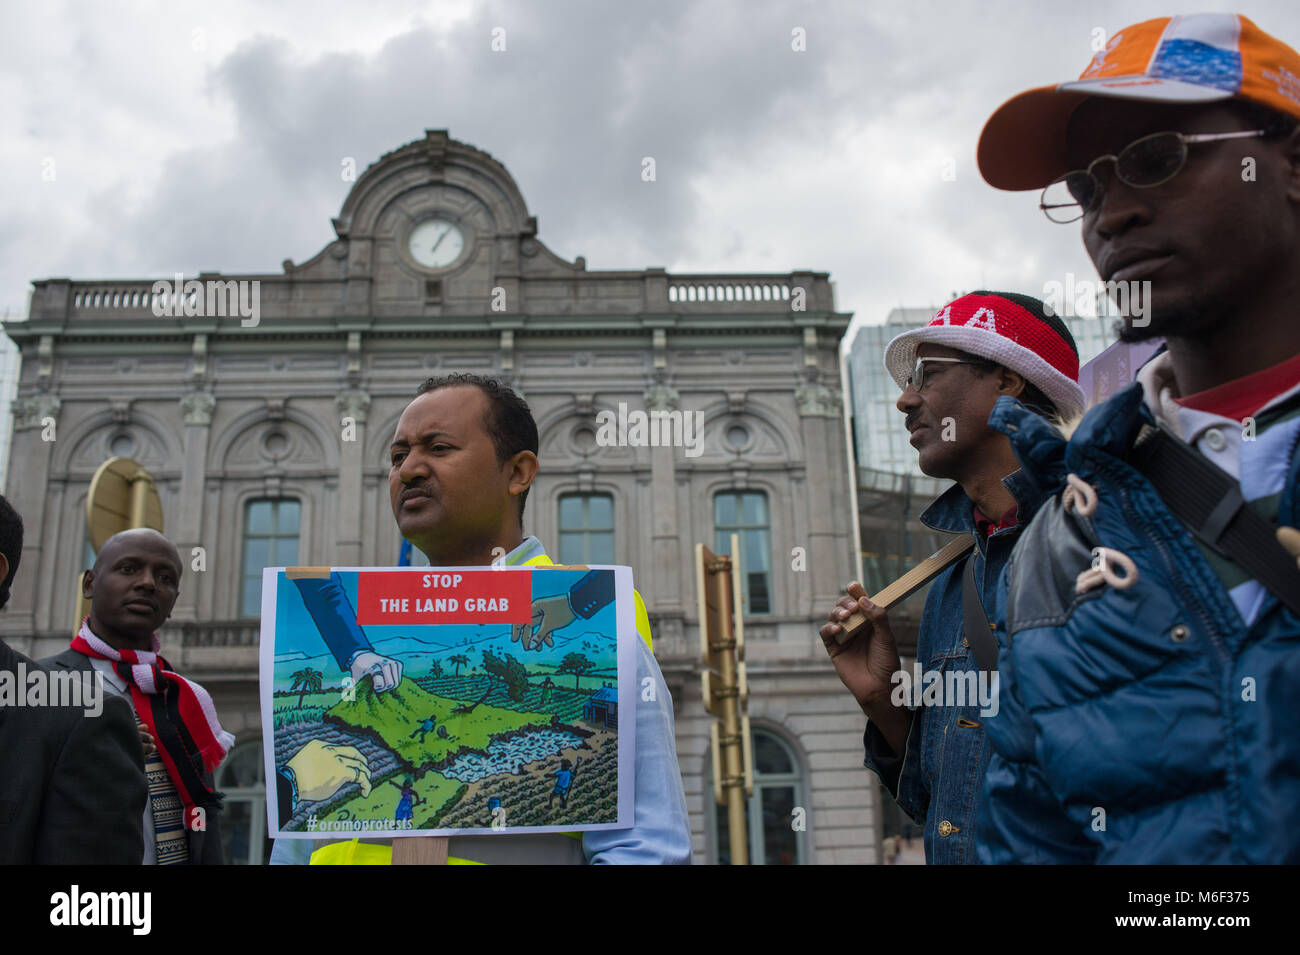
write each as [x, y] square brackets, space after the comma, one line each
[87, 584]
[1011, 383]
[4, 567]
[523, 470]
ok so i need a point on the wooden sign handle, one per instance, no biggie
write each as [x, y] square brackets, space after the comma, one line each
[909, 583]
[420, 850]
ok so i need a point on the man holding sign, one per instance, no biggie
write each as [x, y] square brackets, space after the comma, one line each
[462, 458]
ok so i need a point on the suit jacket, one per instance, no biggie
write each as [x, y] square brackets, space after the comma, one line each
[72, 788]
[205, 846]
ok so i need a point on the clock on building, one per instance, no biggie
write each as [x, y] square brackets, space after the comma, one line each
[436, 243]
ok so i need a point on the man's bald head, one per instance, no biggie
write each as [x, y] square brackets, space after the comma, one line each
[135, 537]
[132, 587]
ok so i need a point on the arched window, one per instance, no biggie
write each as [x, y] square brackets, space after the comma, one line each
[243, 816]
[745, 513]
[777, 832]
[271, 530]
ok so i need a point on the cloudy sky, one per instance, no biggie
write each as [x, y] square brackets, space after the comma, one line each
[143, 139]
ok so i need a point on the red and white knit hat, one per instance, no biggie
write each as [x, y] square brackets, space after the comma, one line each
[1014, 330]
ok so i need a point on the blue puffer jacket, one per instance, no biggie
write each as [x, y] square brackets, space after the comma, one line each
[1140, 725]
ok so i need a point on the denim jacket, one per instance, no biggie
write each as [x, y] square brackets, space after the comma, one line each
[939, 778]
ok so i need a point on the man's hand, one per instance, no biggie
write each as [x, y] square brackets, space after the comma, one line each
[867, 662]
[386, 671]
[146, 740]
[549, 614]
[322, 769]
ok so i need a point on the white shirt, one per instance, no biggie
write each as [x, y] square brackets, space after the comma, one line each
[1258, 462]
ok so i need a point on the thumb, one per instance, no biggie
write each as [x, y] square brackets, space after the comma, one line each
[1289, 538]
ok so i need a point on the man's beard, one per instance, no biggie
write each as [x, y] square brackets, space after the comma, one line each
[1195, 321]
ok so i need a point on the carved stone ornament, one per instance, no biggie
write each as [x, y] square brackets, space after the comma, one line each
[30, 411]
[661, 397]
[353, 403]
[816, 400]
[197, 407]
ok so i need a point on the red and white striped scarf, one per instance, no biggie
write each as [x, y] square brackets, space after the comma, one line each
[179, 714]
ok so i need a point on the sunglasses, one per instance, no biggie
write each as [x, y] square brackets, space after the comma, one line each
[1143, 163]
[917, 378]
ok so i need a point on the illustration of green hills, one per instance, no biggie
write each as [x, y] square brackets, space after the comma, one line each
[423, 729]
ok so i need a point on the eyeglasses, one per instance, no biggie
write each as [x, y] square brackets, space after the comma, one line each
[917, 377]
[1143, 163]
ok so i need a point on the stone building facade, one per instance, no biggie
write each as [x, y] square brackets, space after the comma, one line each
[437, 267]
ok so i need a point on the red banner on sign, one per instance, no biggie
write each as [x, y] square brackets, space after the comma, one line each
[444, 596]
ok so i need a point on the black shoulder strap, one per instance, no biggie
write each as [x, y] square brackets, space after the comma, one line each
[979, 634]
[1208, 500]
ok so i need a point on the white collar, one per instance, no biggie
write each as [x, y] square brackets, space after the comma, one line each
[1160, 391]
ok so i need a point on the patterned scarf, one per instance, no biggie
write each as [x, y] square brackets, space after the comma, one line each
[179, 714]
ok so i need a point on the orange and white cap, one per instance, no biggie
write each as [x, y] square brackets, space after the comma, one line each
[1200, 58]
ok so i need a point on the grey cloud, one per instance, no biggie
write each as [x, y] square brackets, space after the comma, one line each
[583, 92]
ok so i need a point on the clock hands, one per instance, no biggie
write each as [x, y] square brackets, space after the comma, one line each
[428, 253]
[440, 238]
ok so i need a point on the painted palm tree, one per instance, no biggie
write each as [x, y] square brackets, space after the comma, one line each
[458, 661]
[306, 680]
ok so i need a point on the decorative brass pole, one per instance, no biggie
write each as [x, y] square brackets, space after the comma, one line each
[723, 679]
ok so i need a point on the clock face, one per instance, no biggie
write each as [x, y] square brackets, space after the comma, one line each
[436, 243]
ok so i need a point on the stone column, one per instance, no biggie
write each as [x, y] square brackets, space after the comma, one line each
[665, 547]
[35, 430]
[819, 412]
[197, 408]
[56, 596]
[352, 406]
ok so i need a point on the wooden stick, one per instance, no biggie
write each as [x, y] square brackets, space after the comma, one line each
[420, 850]
[909, 583]
[306, 573]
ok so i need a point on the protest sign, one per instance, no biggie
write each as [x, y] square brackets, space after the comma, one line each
[447, 701]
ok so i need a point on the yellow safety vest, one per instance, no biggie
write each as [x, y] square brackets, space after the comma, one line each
[356, 852]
